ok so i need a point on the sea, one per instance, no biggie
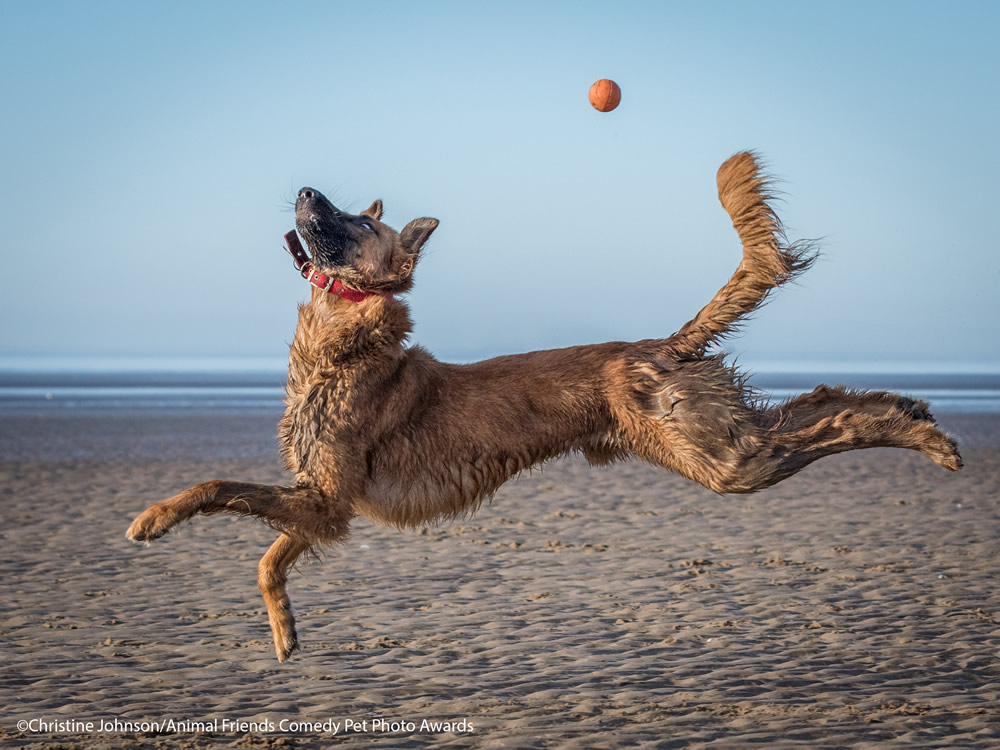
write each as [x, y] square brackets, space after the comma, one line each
[106, 384]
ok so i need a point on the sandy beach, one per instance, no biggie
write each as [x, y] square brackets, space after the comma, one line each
[854, 605]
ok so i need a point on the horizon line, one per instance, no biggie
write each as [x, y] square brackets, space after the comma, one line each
[100, 363]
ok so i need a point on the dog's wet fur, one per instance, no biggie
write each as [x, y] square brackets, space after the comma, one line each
[385, 431]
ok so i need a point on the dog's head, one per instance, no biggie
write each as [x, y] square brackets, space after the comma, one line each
[360, 251]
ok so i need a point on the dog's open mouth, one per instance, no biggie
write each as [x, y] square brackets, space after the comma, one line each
[326, 230]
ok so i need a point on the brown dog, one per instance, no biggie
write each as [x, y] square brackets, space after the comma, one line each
[377, 429]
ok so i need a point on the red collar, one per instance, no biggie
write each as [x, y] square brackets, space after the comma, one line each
[331, 285]
[320, 280]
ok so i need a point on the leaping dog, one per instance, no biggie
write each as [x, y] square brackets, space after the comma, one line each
[379, 429]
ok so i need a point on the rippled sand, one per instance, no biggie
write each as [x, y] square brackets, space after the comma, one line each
[856, 604]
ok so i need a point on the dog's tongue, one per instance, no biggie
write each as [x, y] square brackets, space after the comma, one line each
[295, 248]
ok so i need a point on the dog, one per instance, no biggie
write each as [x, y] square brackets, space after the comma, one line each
[385, 431]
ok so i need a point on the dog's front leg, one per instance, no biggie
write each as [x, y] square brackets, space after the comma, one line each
[272, 575]
[304, 515]
[303, 512]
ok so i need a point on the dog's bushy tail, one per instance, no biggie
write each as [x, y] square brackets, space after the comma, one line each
[768, 261]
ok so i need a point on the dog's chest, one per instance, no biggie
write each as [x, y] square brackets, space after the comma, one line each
[318, 416]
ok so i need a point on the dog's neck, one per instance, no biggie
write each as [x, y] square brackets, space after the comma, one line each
[334, 332]
[326, 282]
[332, 286]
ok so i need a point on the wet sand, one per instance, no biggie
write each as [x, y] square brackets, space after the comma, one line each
[854, 605]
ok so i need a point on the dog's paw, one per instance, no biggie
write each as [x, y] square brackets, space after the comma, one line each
[942, 449]
[285, 644]
[949, 457]
[151, 524]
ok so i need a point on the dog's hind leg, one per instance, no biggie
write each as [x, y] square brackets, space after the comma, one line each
[272, 575]
[302, 512]
[834, 420]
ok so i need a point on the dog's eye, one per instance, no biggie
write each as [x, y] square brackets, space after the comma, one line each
[366, 225]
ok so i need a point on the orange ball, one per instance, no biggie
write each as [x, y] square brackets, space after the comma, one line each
[605, 95]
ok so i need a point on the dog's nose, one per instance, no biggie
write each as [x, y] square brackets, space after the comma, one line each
[307, 194]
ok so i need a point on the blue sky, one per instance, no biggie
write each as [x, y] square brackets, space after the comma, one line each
[150, 152]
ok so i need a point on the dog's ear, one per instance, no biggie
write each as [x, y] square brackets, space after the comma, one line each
[374, 210]
[416, 233]
[411, 240]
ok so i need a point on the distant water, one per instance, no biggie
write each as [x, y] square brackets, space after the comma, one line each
[257, 386]
[957, 392]
[49, 392]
